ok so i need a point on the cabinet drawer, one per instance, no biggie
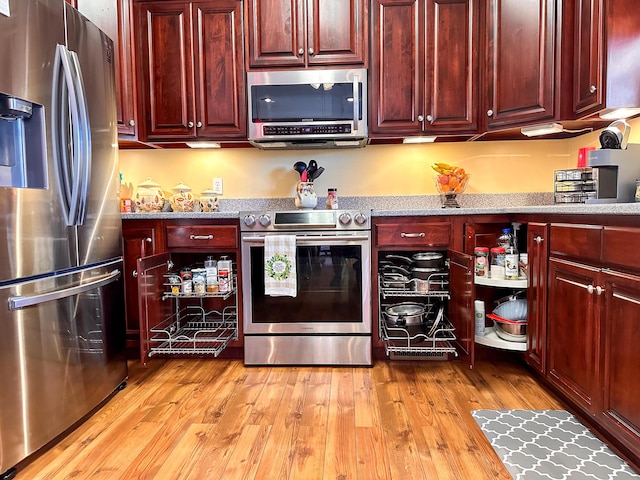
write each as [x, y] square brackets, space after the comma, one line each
[202, 236]
[583, 241]
[620, 246]
[413, 234]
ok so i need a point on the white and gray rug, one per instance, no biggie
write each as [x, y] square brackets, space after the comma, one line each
[549, 445]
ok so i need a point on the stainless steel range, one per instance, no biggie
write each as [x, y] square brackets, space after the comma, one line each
[328, 321]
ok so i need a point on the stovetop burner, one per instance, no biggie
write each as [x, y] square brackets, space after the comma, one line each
[294, 220]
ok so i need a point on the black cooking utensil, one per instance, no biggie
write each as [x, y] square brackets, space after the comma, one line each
[317, 173]
[311, 170]
[300, 167]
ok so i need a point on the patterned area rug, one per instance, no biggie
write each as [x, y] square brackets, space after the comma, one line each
[549, 445]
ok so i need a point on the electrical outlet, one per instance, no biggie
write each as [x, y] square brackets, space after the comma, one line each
[217, 186]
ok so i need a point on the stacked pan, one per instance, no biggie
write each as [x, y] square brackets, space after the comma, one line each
[422, 272]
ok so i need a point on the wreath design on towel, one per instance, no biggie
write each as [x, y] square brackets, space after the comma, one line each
[278, 267]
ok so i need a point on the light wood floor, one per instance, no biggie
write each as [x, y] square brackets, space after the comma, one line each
[216, 419]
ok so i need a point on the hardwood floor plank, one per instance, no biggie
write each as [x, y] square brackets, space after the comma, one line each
[209, 419]
[340, 459]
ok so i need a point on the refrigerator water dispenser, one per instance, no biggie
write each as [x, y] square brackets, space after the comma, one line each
[23, 162]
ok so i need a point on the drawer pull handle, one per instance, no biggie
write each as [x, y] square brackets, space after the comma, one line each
[201, 237]
[412, 235]
[589, 288]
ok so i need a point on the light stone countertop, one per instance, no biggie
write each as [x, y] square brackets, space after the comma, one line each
[414, 205]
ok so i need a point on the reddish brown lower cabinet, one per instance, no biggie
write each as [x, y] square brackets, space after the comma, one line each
[461, 308]
[574, 332]
[538, 256]
[141, 238]
[620, 411]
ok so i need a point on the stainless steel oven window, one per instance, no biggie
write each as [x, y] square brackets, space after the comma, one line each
[334, 287]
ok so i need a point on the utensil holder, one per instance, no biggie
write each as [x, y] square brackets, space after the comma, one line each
[306, 197]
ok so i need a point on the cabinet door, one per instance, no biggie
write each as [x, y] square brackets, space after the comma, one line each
[573, 332]
[588, 59]
[621, 337]
[452, 65]
[219, 69]
[139, 241]
[397, 67]
[166, 70]
[538, 253]
[461, 308]
[520, 61]
[152, 308]
[337, 32]
[276, 33]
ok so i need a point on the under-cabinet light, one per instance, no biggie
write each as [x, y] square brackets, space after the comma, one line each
[618, 113]
[429, 139]
[542, 129]
[203, 145]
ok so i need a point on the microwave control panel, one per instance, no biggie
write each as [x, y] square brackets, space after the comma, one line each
[320, 129]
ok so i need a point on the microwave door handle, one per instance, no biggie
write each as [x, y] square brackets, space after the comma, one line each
[356, 102]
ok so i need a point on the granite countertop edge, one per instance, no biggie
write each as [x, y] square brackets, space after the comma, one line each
[414, 205]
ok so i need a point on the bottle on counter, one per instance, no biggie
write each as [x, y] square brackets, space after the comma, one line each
[332, 199]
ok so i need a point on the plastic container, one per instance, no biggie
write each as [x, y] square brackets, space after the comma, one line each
[211, 272]
[505, 239]
[497, 262]
[481, 261]
[225, 274]
[479, 317]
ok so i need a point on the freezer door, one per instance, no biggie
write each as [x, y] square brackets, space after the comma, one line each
[61, 354]
[33, 236]
[99, 228]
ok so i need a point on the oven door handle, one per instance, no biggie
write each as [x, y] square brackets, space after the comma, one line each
[312, 238]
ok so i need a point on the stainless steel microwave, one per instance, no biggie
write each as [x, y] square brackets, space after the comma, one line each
[307, 108]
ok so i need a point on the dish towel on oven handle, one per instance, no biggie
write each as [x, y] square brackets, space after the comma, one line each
[280, 266]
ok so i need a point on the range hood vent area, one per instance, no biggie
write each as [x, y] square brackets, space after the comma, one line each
[309, 143]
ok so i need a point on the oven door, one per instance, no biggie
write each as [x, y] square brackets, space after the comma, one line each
[333, 286]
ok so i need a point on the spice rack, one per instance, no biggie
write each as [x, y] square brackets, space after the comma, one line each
[436, 340]
[202, 323]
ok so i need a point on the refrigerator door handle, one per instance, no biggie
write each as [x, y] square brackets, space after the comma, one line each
[85, 138]
[69, 101]
[22, 301]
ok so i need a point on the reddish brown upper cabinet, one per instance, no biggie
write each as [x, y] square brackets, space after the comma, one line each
[192, 79]
[424, 67]
[605, 37]
[306, 33]
[522, 49]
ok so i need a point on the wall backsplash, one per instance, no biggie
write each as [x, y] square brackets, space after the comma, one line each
[380, 170]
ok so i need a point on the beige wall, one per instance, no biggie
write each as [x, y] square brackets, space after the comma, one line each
[495, 167]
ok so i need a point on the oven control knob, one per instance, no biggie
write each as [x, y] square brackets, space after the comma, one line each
[265, 220]
[360, 218]
[249, 220]
[344, 219]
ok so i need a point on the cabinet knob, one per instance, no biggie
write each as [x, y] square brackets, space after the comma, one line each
[301, 51]
[599, 290]
[420, 118]
[429, 118]
[538, 239]
[489, 113]
[311, 51]
[132, 123]
[190, 124]
[199, 124]
[134, 274]
[590, 288]
[592, 89]
[148, 240]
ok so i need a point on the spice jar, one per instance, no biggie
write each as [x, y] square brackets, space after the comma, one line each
[497, 262]
[481, 261]
[332, 199]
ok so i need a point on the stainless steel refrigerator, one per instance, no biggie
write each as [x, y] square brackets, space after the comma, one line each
[62, 333]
